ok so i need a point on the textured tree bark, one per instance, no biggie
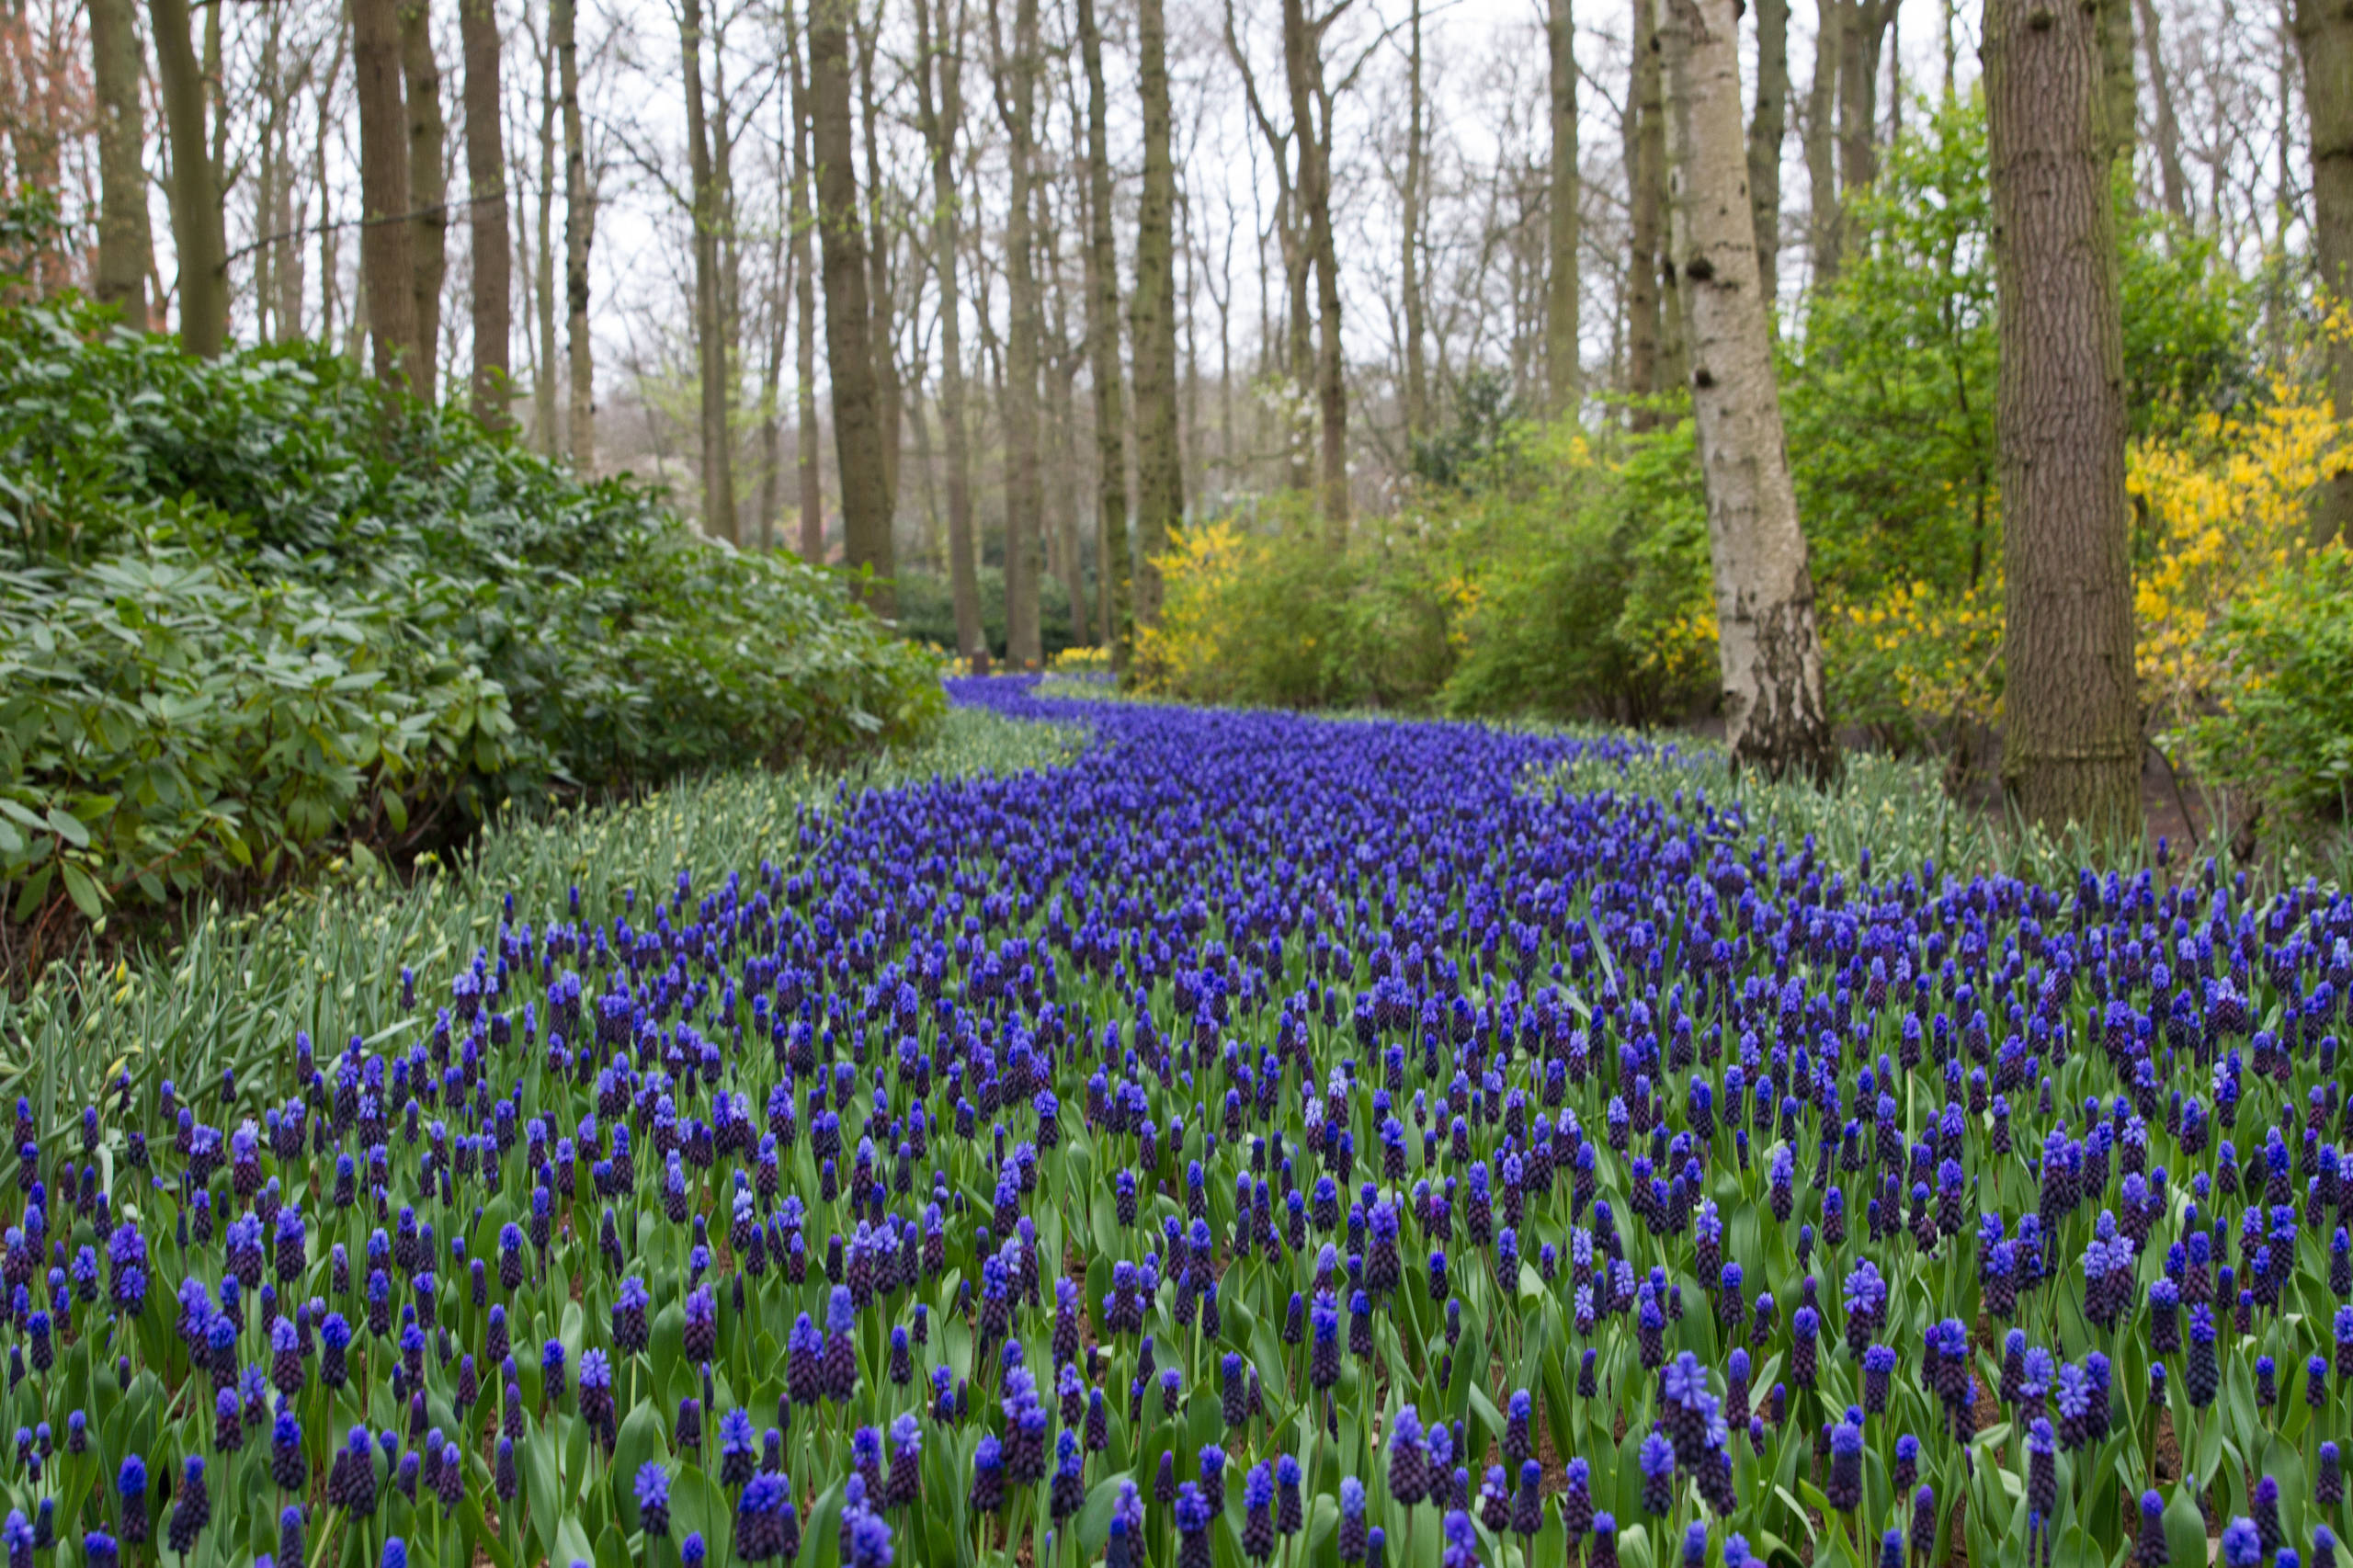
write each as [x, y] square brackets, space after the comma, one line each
[1822, 145]
[1768, 647]
[2175, 181]
[1103, 354]
[544, 377]
[429, 190]
[1304, 71]
[1862, 41]
[710, 316]
[1647, 158]
[942, 118]
[808, 454]
[2325, 43]
[492, 260]
[890, 395]
[2070, 741]
[1417, 384]
[126, 244]
[849, 353]
[197, 233]
[1061, 372]
[579, 234]
[1767, 127]
[1015, 88]
[385, 238]
[1160, 481]
[1562, 377]
[2119, 93]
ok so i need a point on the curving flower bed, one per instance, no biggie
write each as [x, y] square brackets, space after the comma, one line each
[1261, 1139]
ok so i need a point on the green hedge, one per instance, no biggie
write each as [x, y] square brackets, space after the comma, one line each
[246, 609]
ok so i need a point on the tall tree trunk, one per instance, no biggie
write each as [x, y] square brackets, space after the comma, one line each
[2119, 93]
[1299, 326]
[1822, 144]
[942, 120]
[428, 190]
[126, 246]
[492, 284]
[386, 261]
[1862, 41]
[198, 236]
[579, 234]
[2070, 705]
[2175, 179]
[1152, 311]
[1017, 78]
[544, 379]
[808, 455]
[1304, 70]
[1767, 645]
[1061, 490]
[1562, 378]
[849, 353]
[2324, 42]
[1766, 128]
[710, 316]
[1646, 166]
[890, 396]
[1103, 352]
[330, 273]
[1417, 386]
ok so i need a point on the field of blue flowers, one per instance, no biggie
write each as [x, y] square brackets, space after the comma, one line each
[1254, 1140]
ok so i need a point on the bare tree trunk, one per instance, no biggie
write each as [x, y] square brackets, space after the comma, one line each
[1417, 386]
[199, 237]
[942, 120]
[1059, 413]
[126, 246]
[849, 353]
[1304, 70]
[890, 396]
[710, 316]
[579, 234]
[2120, 94]
[1062, 492]
[1015, 88]
[544, 379]
[808, 454]
[330, 279]
[1767, 646]
[492, 261]
[428, 190]
[1103, 354]
[270, 179]
[2175, 181]
[1822, 144]
[1160, 489]
[1862, 38]
[386, 236]
[2325, 43]
[1560, 368]
[2070, 704]
[1646, 166]
[1767, 127]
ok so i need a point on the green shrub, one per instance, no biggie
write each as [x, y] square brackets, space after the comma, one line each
[249, 608]
[926, 612]
[2285, 735]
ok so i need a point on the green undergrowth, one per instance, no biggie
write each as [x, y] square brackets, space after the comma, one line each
[1896, 816]
[326, 958]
